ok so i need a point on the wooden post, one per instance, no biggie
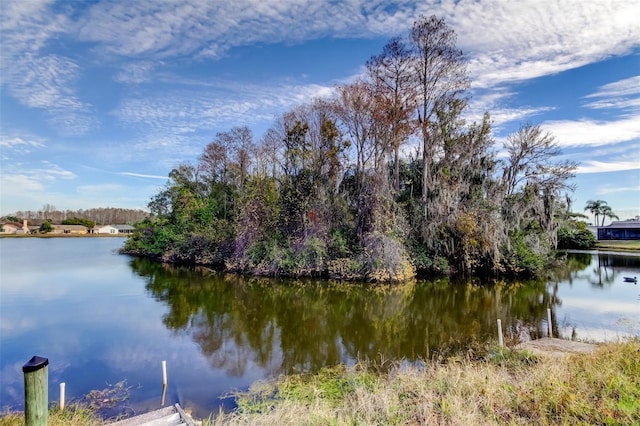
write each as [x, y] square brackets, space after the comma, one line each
[62, 386]
[36, 391]
[550, 326]
[164, 373]
[164, 394]
[500, 339]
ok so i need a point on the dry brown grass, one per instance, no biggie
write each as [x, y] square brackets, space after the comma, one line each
[75, 415]
[598, 388]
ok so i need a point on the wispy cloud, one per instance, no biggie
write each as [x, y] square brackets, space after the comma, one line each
[180, 121]
[135, 72]
[208, 29]
[622, 94]
[36, 79]
[625, 87]
[142, 175]
[585, 132]
[12, 142]
[610, 189]
[496, 103]
[508, 41]
[604, 167]
[18, 184]
[51, 171]
[18, 178]
[515, 41]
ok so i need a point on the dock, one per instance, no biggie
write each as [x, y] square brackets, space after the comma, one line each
[168, 416]
[556, 347]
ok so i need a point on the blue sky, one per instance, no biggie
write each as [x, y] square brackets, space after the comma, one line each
[99, 100]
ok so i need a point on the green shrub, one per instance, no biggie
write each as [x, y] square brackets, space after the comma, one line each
[575, 235]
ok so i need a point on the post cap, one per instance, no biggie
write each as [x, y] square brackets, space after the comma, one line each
[35, 364]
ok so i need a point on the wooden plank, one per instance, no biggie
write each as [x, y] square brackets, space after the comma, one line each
[186, 419]
[147, 417]
[172, 420]
[168, 416]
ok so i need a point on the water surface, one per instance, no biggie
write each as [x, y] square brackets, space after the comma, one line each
[101, 318]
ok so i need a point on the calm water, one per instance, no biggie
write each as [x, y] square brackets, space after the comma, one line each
[101, 318]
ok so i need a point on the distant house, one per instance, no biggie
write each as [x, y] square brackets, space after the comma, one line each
[113, 229]
[105, 229]
[70, 229]
[622, 230]
[15, 228]
[124, 229]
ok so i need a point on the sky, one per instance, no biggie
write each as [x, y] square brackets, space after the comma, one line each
[99, 100]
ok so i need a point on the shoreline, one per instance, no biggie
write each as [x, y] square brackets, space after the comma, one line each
[497, 386]
[63, 236]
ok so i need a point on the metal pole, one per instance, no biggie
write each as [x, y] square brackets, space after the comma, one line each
[164, 373]
[62, 386]
[36, 391]
[500, 339]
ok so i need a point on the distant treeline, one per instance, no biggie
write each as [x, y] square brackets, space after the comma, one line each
[100, 216]
[381, 180]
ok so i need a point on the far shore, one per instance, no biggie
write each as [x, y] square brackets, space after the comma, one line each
[618, 245]
[49, 235]
[608, 245]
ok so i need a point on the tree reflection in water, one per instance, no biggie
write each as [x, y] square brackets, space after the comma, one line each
[288, 326]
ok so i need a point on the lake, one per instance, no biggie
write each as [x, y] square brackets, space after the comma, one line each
[102, 318]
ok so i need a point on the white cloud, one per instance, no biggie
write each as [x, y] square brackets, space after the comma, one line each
[135, 72]
[507, 40]
[515, 41]
[52, 171]
[603, 167]
[12, 142]
[570, 133]
[625, 87]
[622, 94]
[494, 102]
[142, 175]
[18, 184]
[177, 123]
[36, 79]
[610, 189]
[20, 180]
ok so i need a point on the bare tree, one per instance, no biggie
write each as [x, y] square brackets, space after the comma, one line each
[441, 74]
[238, 146]
[392, 76]
[532, 181]
[354, 105]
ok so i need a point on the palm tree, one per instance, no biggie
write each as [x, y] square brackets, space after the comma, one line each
[595, 208]
[606, 211]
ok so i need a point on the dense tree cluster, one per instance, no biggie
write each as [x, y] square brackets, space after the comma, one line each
[100, 216]
[380, 181]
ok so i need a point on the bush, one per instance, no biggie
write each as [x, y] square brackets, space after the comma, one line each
[525, 255]
[576, 235]
[45, 227]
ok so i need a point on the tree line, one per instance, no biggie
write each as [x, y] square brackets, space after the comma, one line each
[99, 215]
[381, 180]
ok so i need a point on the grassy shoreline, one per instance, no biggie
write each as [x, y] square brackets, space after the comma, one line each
[618, 245]
[49, 235]
[501, 387]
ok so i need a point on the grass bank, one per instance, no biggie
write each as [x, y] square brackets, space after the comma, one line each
[619, 245]
[74, 415]
[501, 387]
